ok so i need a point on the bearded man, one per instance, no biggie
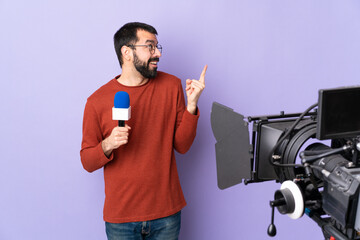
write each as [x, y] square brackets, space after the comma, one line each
[143, 196]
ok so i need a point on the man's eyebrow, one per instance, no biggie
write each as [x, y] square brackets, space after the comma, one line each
[151, 41]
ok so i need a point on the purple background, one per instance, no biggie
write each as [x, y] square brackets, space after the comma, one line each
[263, 56]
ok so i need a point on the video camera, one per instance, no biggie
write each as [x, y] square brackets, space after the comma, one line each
[318, 178]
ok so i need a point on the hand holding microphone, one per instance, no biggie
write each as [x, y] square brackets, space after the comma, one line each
[119, 135]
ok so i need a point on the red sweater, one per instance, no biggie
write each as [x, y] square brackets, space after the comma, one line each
[141, 179]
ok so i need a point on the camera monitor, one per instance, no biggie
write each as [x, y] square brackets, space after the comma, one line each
[338, 113]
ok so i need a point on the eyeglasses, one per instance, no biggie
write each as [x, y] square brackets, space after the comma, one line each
[149, 46]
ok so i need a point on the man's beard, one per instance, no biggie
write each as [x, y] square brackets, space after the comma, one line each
[143, 67]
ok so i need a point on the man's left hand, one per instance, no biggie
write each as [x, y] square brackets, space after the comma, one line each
[193, 90]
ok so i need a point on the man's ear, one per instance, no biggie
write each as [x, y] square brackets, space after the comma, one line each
[126, 53]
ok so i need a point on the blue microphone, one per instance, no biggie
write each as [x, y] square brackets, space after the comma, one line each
[121, 110]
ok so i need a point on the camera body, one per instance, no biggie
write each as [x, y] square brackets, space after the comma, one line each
[321, 179]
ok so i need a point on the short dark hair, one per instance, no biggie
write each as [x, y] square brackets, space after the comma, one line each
[127, 34]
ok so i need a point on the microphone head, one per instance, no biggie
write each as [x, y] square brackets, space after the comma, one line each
[121, 100]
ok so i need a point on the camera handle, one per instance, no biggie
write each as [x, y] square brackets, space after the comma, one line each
[272, 228]
[285, 203]
[288, 200]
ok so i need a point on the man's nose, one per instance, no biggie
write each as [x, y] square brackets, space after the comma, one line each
[157, 52]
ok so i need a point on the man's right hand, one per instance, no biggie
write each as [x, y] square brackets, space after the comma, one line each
[119, 136]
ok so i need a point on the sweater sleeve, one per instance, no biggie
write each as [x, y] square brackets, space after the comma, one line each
[91, 153]
[186, 125]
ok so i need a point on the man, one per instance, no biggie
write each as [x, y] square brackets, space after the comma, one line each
[143, 196]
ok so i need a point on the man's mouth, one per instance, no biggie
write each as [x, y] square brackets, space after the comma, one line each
[153, 62]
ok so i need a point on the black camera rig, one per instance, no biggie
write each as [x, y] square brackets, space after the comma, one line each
[319, 178]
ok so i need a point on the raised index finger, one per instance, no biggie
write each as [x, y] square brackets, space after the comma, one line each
[202, 76]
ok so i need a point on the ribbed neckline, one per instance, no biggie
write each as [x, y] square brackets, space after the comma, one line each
[122, 85]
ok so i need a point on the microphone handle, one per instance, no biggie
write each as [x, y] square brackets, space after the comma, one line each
[121, 123]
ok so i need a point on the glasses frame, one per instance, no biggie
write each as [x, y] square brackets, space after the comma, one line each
[151, 47]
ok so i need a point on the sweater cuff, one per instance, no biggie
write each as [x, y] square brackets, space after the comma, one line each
[192, 117]
[102, 157]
